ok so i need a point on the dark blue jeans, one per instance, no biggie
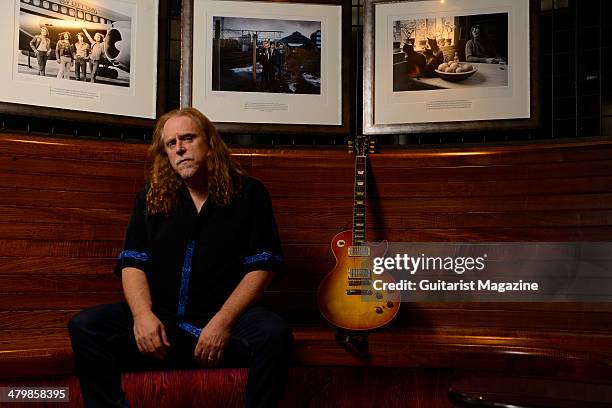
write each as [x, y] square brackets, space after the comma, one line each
[104, 346]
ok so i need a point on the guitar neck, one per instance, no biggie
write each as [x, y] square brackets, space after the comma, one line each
[359, 200]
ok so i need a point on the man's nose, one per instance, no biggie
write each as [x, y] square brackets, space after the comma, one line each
[180, 147]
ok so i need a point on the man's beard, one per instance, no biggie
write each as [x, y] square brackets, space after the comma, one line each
[186, 170]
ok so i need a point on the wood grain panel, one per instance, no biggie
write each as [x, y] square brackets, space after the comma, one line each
[484, 234]
[52, 302]
[70, 199]
[452, 204]
[490, 156]
[497, 172]
[92, 183]
[61, 215]
[110, 151]
[55, 265]
[60, 232]
[64, 148]
[301, 306]
[422, 219]
[40, 284]
[458, 156]
[75, 249]
[64, 205]
[439, 174]
[122, 172]
[384, 190]
[36, 319]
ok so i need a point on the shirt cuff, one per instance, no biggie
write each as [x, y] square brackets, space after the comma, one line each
[132, 259]
[266, 261]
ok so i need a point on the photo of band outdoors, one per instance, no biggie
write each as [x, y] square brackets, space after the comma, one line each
[266, 55]
[88, 43]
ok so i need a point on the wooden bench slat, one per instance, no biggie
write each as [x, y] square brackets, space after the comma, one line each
[54, 214]
[56, 265]
[434, 220]
[52, 302]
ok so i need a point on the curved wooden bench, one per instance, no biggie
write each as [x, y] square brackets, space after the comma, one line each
[64, 205]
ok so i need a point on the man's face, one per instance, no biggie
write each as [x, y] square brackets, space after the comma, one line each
[44, 32]
[476, 32]
[186, 146]
[66, 37]
[79, 37]
[266, 44]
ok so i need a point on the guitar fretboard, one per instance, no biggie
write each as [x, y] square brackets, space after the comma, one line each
[359, 201]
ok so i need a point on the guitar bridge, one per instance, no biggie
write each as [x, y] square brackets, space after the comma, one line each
[359, 292]
[360, 282]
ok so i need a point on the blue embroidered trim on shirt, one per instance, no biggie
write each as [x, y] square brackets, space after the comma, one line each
[140, 256]
[189, 328]
[263, 256]
[182, 303]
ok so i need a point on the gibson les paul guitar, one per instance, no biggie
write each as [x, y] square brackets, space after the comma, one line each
[347, 297]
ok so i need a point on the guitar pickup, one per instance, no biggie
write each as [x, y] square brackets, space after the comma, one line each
[359, 273]
[358, 292]
[359, 251]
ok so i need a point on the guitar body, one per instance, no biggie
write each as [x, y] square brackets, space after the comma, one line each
[352, 303]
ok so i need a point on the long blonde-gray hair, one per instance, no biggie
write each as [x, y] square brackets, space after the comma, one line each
[224, 174]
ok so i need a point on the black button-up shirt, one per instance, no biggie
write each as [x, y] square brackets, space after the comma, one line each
[193, 261]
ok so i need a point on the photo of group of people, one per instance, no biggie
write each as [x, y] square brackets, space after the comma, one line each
[70, 56]
[79, 41]
[425, 49]
[266, 55]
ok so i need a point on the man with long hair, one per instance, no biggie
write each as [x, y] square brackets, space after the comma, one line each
[200, 248]
[41, 46]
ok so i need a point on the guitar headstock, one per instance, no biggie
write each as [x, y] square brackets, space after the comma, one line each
[362, 146]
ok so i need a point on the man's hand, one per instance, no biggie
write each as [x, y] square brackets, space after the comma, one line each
[212, 342]
[150, 335]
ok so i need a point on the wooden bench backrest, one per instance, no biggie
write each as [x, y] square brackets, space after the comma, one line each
[64, 205]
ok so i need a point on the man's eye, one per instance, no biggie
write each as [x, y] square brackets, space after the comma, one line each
[189, 138]
[171, 144]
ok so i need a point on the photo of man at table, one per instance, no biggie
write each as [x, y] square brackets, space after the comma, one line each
[467, 51]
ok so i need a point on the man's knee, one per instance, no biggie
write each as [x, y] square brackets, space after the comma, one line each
[82, 322]
[95, 320]
[277, 334]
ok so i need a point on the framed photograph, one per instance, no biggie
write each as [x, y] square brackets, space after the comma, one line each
[432, 66]
[88, 60]
[273, 67]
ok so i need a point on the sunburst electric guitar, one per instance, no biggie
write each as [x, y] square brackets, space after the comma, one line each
[347, 297]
